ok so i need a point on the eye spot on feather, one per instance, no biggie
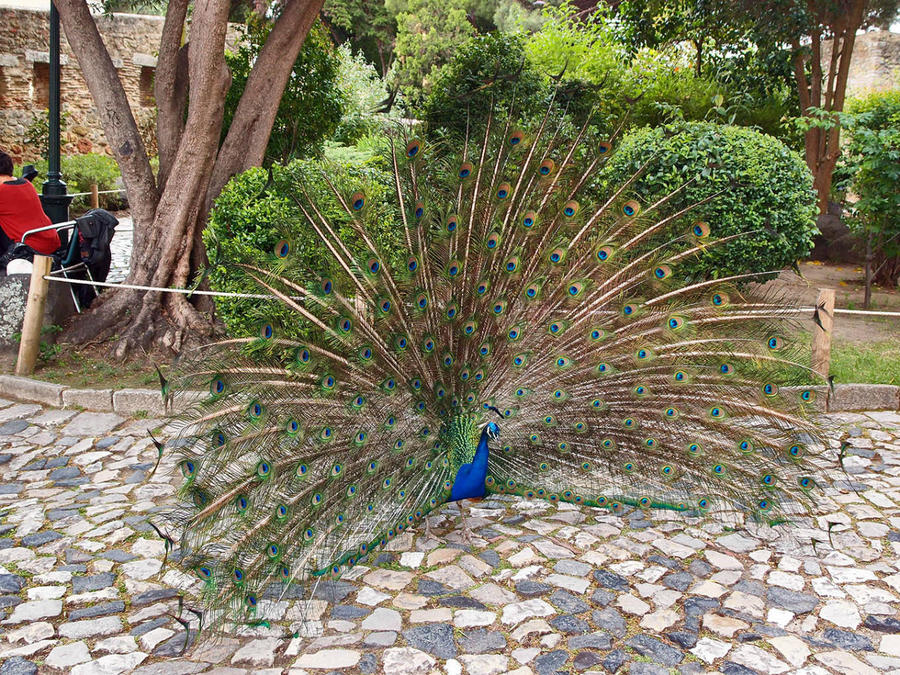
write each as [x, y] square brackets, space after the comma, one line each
[255, 410]
[775, 343]
[241, 503]
[512, 265]
[327, 286]
[357, 201]
[217, 387]
[413, 147]
[292, 428]
[603, 147]
[205, 573]
[570, 208]
[770, 389]
[188, 468]
[807, 395]
[604, 253]
[515, 138]
[796, 452]
[694, 449]
[700, 229]
[529, 219]
[419, 210]
[806, 482]
[662, 272]
[680, 376]
[282, 249]
[630, 208]
[503, 191]
[452, 223]
[546, 167]
[465, 170]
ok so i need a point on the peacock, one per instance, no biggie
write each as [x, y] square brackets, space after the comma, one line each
[533, 338]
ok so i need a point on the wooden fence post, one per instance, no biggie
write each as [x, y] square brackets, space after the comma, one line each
[95, 196]
[821, 347]
[34, 316]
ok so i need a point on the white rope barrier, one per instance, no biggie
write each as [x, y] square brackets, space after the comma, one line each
[260, 296]
[101, 192]
[183, 291]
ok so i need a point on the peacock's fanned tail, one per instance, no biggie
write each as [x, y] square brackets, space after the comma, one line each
[621, 380]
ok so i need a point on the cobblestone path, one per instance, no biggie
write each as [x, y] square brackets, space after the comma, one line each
[537, 588]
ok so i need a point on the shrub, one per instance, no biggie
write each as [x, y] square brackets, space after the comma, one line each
[486, 70]
[363, 91]
[768, 192]
[870, 171]
[79, 172]
[257, 209]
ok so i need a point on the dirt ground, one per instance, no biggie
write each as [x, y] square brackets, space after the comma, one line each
[848, 282]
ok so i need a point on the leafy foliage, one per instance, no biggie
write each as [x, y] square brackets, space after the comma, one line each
[487, 70]
[598, 51]
[37, 134]
[311, 106]
[256, 210]
[428, 34]
[363, 91]
[80, 172]
[870, 172]
[769, 192]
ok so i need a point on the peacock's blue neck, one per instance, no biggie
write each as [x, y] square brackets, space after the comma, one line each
[469, 480]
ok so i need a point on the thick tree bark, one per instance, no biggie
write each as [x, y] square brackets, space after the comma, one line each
[170, 87]
[247, 138]
[112, 106]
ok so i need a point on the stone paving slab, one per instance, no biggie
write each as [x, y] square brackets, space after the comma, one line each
[499, 586]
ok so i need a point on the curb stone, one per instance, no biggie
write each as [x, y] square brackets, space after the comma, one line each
[845, 398]
[123, 401]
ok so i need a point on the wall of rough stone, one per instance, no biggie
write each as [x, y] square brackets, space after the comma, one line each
[132, 41]
[875, 65]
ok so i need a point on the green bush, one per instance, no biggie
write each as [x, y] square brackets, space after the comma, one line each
[79, 172]
[363, 92]
[311, 104]
[486, 70]
[870, 172]
[767, 192]
[256, 210]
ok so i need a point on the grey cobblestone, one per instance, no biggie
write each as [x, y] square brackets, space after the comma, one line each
[540, 588]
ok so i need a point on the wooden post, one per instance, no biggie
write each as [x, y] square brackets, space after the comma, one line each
[821, 347]
[34, 316]
[95, 196]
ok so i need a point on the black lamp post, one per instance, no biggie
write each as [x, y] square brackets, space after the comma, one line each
[54, 197]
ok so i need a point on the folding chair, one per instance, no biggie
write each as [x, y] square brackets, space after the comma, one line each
[67, 259]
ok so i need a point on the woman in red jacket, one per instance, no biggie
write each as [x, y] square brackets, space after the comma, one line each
[20, 211]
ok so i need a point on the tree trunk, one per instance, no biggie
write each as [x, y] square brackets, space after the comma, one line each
[169, 218]
[822, 146]
[245, 144]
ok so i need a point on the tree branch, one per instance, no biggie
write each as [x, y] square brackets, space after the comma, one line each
[112, 107]
[247, 138]
[170, 87]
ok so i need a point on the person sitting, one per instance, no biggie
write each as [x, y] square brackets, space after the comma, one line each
[20, 211]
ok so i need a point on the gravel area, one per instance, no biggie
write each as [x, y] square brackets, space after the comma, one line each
[536, 588]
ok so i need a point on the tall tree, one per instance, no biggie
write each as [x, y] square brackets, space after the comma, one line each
[818, 36]
[821, 73]
[169, 210]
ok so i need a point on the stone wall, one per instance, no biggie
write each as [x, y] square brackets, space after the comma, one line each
[875, 64]
[132, 41]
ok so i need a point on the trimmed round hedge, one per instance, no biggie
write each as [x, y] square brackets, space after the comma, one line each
[768, 195]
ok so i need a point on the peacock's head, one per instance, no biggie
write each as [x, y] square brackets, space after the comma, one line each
[492, 430]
